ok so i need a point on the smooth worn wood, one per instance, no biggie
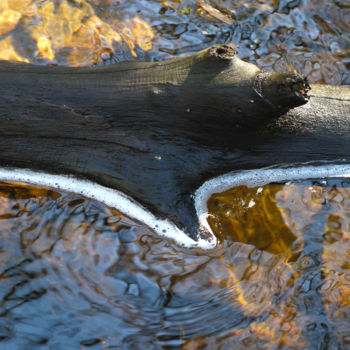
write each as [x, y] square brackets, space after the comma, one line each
[156, 131]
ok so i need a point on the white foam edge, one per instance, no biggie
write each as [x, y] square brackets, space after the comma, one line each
[109, 197]
[260, 177]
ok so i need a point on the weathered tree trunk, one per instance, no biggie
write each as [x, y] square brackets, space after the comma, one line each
[156, 131]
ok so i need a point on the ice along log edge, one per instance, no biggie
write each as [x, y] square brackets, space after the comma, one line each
[156, 131]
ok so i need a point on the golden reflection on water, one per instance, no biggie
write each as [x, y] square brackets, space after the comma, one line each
[70, 29]
[275, 218]
[248, 293]
[251, 215]
[308, 36]
[7, 51]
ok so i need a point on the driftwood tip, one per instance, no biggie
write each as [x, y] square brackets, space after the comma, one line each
[283, 91]
[299, 86]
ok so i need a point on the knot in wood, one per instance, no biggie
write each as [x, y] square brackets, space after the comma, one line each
[223, 51]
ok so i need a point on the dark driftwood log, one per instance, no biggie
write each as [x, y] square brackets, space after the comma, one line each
[156, 131]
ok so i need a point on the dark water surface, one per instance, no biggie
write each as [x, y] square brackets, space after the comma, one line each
[76, 274]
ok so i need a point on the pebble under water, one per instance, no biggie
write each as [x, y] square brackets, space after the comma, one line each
[76, 274]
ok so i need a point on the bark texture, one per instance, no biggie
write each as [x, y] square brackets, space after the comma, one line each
[156, 131]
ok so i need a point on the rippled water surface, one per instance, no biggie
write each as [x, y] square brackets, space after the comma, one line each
[310, 36]
[76, 274]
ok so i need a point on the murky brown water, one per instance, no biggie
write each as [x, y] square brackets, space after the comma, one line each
[310, 36]
[76, 274]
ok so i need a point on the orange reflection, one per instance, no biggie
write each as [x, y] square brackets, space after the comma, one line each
[7, 51]
[269, 221]
[137, 32]
[250, 215]
[71, 30]
[92, 42]
[278, 217]
[8, 21]
[258, 283]
[10, 13]
[279, 331]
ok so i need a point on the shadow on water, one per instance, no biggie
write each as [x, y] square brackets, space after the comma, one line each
[76, 274]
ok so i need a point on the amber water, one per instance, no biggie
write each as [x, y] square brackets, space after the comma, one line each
[76, 274]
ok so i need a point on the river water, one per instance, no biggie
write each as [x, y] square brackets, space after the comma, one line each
[311, 36]
[76, 274]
